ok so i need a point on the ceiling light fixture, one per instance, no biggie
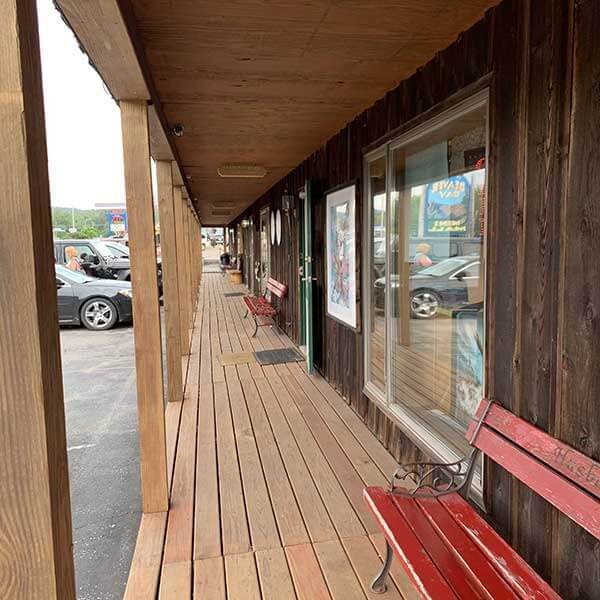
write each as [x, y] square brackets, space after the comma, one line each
[242, 171]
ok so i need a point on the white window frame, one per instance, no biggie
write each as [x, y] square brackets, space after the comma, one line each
[415, 429]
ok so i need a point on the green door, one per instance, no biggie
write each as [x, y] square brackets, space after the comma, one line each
[308, 278]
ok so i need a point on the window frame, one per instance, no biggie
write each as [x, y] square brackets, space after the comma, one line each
[414, 428]
[371, 389]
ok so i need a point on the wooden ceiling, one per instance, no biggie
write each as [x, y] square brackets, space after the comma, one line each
[266, 82]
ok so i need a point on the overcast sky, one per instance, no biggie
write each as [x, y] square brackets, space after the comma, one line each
[83, 126]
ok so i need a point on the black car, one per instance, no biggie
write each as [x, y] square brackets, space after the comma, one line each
[97, 304]
[105, 260]
[443, 285]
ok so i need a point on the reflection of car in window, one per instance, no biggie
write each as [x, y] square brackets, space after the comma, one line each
[443, 285]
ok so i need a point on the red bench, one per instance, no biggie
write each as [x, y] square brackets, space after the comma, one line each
[259, 306]
[445, 547]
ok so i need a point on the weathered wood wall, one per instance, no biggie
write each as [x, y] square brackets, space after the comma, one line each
[541, 60]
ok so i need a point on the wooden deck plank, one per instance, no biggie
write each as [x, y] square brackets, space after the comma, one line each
[263, 529]
[377, 451]
[316, 517]
[176, 581]
[274, 575]
[289, 520]
[209, 579]
[306, 573]
[241, 577]
[344, 469]
[234, 525]
[179, 538]
[339, 507]
[279, 463]
[357, 455]
[207, 537]
[143, 580]
[338, 572]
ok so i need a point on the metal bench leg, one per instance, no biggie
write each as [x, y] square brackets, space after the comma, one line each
[379, 585]
[255, 326]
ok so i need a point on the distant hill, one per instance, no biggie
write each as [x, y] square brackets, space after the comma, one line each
[89, 223]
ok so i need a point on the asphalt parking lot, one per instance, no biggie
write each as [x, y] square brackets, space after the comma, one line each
[102, 442]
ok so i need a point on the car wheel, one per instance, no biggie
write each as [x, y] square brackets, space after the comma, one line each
[424, 304]
[98, 314]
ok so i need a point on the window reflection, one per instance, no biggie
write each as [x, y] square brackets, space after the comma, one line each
[437, 276]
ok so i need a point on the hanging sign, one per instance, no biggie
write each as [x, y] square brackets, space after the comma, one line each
[447, 206]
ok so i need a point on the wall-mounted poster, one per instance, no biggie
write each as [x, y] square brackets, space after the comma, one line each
[341, 255]
[447, 205]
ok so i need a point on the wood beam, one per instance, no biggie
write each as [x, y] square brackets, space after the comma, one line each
[146, 329]
[168, 246]
[185, 316]
[35, 514]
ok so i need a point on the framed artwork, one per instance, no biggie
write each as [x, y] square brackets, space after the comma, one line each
[341, 255]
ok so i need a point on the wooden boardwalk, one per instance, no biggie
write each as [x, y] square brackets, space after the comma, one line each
[266, 471]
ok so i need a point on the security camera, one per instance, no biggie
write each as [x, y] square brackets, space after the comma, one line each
[177, 130]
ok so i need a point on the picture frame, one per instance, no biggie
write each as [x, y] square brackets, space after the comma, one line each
[341, 260]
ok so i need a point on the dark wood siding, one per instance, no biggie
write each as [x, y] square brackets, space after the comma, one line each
[541, 60]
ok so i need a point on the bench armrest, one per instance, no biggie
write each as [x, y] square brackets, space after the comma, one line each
[434, 478]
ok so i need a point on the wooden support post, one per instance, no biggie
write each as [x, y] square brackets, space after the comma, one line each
[36, 560]
[185, 317]
[168, 244]
[146, 327]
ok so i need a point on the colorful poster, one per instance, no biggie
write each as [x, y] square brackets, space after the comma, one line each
[341, 255]
[447, 206]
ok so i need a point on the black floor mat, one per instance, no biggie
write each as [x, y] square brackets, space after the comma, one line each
[233, 294]
[276, 357]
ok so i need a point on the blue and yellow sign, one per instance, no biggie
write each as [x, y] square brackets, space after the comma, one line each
[447, 206]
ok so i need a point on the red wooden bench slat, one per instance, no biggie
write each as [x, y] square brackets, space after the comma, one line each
[489, 581]
[462, 584]
[524, 580]
[562, 458]
[276, 287]
[420, 569]
[578, 505]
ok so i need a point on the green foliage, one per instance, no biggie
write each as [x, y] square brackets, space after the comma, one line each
[89, 223]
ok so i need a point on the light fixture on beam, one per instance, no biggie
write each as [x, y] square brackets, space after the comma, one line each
[241, 171]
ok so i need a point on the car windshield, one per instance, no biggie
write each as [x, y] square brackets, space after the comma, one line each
[104, 250]
[72, 276]
[118, 250]
[444, 267]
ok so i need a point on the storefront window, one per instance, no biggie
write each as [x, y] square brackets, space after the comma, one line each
[376, 325]
[434, 274]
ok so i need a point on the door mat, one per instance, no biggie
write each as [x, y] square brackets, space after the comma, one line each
[277, 357]
[236, 358]
[233, 294]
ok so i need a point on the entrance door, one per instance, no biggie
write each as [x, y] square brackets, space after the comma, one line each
[306, 276]
[264, 271]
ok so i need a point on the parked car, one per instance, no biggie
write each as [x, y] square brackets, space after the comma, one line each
[97, 304]
[443, 285]
[104, 260]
